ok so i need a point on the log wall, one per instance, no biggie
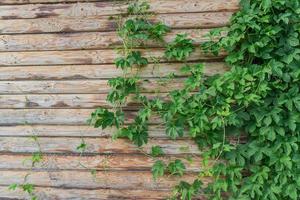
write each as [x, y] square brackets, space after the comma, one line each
[55, 59]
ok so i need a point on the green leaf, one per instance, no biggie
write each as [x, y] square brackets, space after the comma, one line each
[13, 186]
[81, 147]
[158, 169]
[140, 137]
[179, 49]
[291, 190]
[174, 131]
[102, 118]
[176, 167]
[156, 151]
[29, 188]
[186, 191]
[266, 4]
[293, 41]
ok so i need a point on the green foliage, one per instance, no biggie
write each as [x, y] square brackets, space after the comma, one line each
[26, 187]
[104, 118]
[81, 147]
[176, 167]
[157, 151]
[158, 169]
[257, 99]
[134, 58]
[36, 158]
[180, 49]
[138, 7]
[185, 191]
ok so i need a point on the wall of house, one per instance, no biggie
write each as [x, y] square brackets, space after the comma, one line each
[55, 59]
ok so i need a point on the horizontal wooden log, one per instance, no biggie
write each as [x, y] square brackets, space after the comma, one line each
[66, 101]
[94, 145]
[155, 132]
[96, 162]
[84, 57]
[81, 86]
[86, 40]
[69, 131]
[75, 72]
[54, 116]
[19, 2]
[104, 23]
[112, 8]
[101, 180]
[48, 193]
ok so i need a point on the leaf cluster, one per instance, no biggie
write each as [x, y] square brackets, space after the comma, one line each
[175, 167]
[249, 116]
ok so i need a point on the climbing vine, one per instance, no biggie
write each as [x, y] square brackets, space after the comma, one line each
[246, 121]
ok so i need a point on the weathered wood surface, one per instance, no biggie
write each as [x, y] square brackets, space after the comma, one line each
[107, 56]
[94, 145]
[88, 40]
[82, 86]
[112, 8]
[101, 180]
[155, 131]
[55, 116]
[116, 162]
[47, 193]
[104, 23]
[55, 59]
[101, 71]
[50, 193]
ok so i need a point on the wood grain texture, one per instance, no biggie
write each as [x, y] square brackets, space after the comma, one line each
[155, 131]
[55, 59]
[66, 101]
[116, 162]
[85, 57]
[81, 86]
[55, 116]
[94, 145]
[103, 179]
[86, 40]
[48, 193]
[112, 8]
[104, 23]
[101, 71]
[78, 131]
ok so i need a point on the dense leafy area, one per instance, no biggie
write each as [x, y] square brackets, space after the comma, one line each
[257, 102]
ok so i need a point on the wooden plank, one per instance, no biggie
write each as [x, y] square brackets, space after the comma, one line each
[81, 86]
[86, 40]
[85, 180]
[69, 131]
[155, 132]
[94, 145]
[112, 8]
[55, 101]
[84, 57]
[65, 101]
[75, 72]
[54, 116]
[19, 2]
[48, 193]
[104, 23]
[115, 162]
